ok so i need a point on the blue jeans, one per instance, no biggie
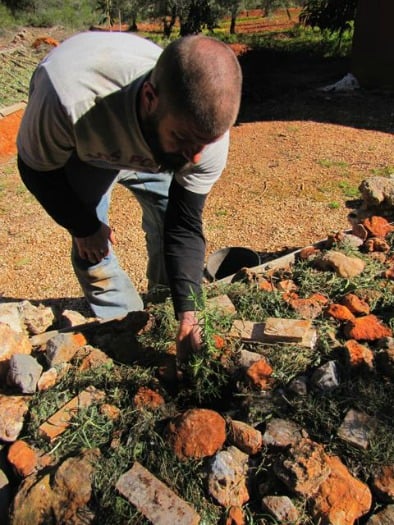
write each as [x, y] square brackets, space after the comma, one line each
[106, 286]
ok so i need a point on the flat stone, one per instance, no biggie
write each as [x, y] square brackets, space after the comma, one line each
[356, 428]
[221, 303]
[60, 421]
[276, 330]
[154, 499]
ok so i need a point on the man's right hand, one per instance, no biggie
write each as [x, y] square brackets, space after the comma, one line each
[96, 246]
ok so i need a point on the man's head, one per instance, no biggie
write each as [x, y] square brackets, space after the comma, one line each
[191, 99]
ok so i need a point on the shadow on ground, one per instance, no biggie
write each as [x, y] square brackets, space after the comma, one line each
[284, 86]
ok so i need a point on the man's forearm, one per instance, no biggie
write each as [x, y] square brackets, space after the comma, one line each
[184, 247]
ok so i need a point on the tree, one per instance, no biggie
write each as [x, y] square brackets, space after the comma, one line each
[233, 7]
[331, 15]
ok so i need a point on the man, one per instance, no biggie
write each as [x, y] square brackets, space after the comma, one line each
[113, 107]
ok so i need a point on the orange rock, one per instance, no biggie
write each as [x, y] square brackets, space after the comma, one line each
[377, 226]
[367, 328]
[44, 40]
[197, 433]
[259, 373]
[358, 354]
[339, 312]
[376, 244]
[23, 458]
[235, 516]
[355, 304]
[389, 274]
[148, 398]
[309, 307]
[265, 285]
[308, 252]
[341, 498]
[245, 437]
[218, 341]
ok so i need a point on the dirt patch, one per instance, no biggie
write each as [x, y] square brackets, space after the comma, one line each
[297, 157]
[9, 126]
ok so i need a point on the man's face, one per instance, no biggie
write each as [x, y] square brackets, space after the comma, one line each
[173, 142]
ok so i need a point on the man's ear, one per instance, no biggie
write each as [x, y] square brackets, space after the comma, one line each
[150, 98]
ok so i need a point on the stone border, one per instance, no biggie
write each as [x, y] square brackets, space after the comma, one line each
[4, 112]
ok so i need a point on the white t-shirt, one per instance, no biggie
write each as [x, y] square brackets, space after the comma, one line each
[83, 98]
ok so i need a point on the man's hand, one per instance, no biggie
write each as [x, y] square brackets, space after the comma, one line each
[95, 247]
[188, 340]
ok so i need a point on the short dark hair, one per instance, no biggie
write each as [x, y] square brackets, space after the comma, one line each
[199, 77]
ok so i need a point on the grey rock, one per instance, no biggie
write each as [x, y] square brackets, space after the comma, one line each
[24, 373]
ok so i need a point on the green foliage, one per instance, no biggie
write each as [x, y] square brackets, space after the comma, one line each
[6, 18]
[331, 15]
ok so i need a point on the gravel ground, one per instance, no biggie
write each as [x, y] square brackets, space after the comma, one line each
[297, 157]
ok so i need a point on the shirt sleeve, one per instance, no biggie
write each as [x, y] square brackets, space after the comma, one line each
[184, 246]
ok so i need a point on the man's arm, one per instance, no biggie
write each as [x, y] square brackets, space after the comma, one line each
[184, 246]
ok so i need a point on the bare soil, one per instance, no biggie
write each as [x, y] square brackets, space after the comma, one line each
[297, 157]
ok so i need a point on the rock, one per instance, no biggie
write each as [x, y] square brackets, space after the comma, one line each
[383, 483]
[154, 499]
[23, 458]
[356, 305]
[299, 386]
[326, 377]
[366, 328]
[259, 374]
[345, 266]
[376, 244]
[227, 477]
[247, 358]
[60, 420]
[221, 304]
[235, 516]
[357, 428]
[62, 347]
[358, 355]
[60, 498]
[275, 330]
[24, 373]
[148, 398]
[37, 319]
[47, 380]
[341, 498]
[245, 437]
[73, 487]
[112, 412]
[377, 191]
[308, 308]
[377, 226]
[71, 318]
[282, 433]
[197, 433]
[10, 314]
[339, 312]
[384, 517]
[92, 358]
[12, 413]
[5, 494]
[11, 343]
[385, 359]
[303, 468]
[281, 508]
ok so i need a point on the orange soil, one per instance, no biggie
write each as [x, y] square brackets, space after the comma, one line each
[9, 126]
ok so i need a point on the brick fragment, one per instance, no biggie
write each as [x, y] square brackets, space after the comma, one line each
[154, 499]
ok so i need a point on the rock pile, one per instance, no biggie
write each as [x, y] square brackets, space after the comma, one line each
[35, 490]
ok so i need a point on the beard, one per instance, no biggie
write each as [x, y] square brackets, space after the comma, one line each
[167, 161]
